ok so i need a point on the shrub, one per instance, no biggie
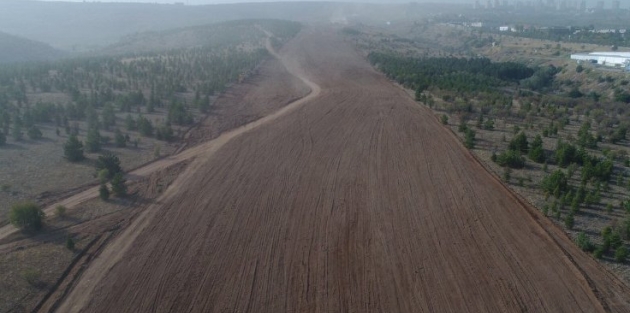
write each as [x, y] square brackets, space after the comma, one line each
[34, 133]
[569, 221]
[93, 140]
[511, 158]
[70, 243]
[119, 188]
[519, 143]
[108, 162]
[33, 277]
[165, 133]
[536, 152]
[3, 138]
[27, 215]
[556, 181]
[444, 119]
[61, 211]
[103, 192]
[621, 254]
[469, 139]
[120, 139]
[599, 252]
[584, 242]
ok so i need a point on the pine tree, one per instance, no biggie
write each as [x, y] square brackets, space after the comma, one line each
[120, 139]
[119, 188]
[103, 192]
[93, 140]
[73, 149]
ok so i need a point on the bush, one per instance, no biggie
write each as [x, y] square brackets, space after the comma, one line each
[621, 254]
[70, 243]
[569, 221]
[108, 162]
[165, 133]
[469, 139]
[93, 140]
[119, 188]
[73, 149]
[61, 211]
[556, 181]
[599, 252]
[519, 143]
[584, 242]
[536, 152]
[120, 139]
[3, 138]
[103, 192]
[511, 158]
[444, 119]
[27, 216]
[34, 133]
[33, 277]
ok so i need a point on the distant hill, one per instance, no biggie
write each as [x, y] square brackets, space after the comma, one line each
[225, 34]
[89, 26]
[15, 49]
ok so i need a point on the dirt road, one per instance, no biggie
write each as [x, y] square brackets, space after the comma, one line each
[353, 200]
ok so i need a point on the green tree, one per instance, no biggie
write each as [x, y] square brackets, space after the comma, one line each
[108, 116]
[584, 242]
[120, 139]
[557, 180]
[569, 221]
[17, 130]
[621, 254]
[145, 126]
[103, 192]
[73, 149]
[93, 140]
[536, 152]
[511, 158]
[34, 133]
[70, 243]
[119, 187]
[469, 138]
[27, 215]
[519, 143]
[108, 162]
[130, 123]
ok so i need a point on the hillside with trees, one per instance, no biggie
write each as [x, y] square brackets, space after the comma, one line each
[14, 49]
[63, 115]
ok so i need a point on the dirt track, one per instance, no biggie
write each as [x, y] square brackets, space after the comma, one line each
[353, 200]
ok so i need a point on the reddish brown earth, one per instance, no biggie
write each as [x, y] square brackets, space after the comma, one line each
[354, 200]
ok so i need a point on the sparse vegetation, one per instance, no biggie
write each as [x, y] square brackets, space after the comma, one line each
[27, 216]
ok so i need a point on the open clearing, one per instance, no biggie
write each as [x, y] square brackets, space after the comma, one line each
[354, 199]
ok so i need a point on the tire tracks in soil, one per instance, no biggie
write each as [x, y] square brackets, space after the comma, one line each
[114, 251]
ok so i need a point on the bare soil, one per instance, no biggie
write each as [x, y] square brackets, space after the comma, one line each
[92, 223]
[353, 200]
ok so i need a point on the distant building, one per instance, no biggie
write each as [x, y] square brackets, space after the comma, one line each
[600, 5]
[615, 5]
[504, 28]
[612, 59]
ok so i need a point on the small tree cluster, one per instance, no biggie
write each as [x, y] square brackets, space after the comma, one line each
[27, 215]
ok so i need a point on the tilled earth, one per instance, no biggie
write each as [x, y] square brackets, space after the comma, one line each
[355, 201]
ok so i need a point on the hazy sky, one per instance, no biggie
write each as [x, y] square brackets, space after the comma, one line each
[236, 1]
[608, 3]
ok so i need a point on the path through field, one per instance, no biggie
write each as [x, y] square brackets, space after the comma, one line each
[353, 200]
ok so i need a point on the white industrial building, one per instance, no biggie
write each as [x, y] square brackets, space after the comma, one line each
[612, 59]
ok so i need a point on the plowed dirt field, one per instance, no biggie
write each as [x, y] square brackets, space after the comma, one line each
[353, 200]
